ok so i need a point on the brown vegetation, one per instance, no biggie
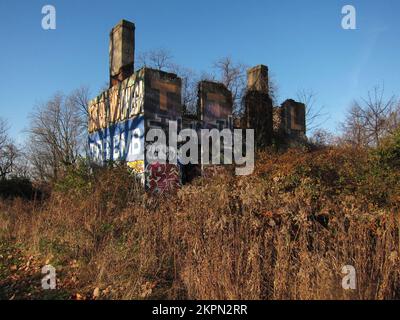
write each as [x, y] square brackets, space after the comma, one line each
[284, 232]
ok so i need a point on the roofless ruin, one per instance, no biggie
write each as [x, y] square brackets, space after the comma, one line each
[140, 100]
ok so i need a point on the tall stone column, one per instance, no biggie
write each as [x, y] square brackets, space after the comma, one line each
[258, 106]
[121, 51]
[257, 79]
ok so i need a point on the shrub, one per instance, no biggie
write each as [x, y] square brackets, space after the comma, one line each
[389, 151]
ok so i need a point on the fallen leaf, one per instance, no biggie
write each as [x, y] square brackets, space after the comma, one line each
[77, 296]
[96, 293]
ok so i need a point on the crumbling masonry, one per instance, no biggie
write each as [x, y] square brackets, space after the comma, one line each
[140, 100]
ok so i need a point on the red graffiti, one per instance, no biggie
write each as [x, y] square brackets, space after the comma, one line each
[162, 177]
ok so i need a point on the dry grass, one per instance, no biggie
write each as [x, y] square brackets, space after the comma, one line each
[283, 233]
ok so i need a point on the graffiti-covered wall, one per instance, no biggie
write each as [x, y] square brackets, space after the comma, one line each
[162, 104]
[121, 141]
[116, 123]
[121, 117]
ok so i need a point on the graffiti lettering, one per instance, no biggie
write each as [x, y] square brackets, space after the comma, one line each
[162, 177]
[119, 103]
[123, 141]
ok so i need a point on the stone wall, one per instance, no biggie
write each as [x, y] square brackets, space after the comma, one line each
[214, 106]
[294, 119]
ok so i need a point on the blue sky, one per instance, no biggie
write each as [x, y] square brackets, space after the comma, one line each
[301, 41]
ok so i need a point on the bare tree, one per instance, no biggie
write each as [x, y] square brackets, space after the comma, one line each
[9, 152]
[371, 119]
[233, 76]
[273, 88]
[189, 87]
[376, 114]
[55, 137]
[3, 132]
[207, 76]
[9, 155]
[79, 101]
[353, 127]
[316, 115]
[393, 122]
[322, 138]
[160, 59]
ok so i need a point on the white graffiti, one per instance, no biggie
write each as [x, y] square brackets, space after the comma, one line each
[123, 141]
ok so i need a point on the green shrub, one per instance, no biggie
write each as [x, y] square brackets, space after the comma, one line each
[77, 179]
[389, 151]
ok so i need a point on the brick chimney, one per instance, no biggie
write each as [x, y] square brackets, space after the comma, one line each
[257, 79]
[121, 51]
[258, 106]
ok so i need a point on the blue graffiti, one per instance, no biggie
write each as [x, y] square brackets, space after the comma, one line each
[122, 141]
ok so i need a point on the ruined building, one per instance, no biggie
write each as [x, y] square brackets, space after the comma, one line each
[137, 101]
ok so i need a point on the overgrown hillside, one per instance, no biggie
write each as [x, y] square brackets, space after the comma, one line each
[284, 232]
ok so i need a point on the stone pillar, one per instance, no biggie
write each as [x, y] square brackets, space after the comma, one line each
[294, 119]
[257, 79]
[258, 106]
[121, 51]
